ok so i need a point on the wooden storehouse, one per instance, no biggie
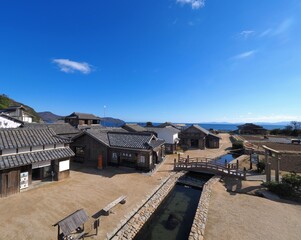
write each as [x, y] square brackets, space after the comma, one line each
[103, 147]
[18, 112]
[76, 119]
[198, 137]
[28, 155]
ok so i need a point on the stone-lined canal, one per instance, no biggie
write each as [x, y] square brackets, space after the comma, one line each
[174, 217]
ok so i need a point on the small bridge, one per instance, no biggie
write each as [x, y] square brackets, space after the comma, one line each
[207, 165]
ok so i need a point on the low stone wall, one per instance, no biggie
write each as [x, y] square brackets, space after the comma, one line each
[134, 221]
[199, 223]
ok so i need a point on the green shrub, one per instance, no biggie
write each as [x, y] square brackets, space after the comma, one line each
[238, 145]
[292, 179]
[260, 166]
[281, 189]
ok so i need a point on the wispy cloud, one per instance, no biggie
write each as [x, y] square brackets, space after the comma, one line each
[281, 29]
[69, 66]
[195, 4]
[244, 55]
[246, 33]
[266, 32]
[284, 26]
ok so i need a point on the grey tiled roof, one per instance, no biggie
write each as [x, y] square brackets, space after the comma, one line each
[100, 135]
[59, 128]
[83, 116]
[122, 139]
[202, 130]
[156, 143]
[22, 159]
[27, 137]
[134, 127]
[129, 140]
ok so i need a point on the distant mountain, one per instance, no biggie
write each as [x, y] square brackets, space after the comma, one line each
[111, 122]
[6, 102]
[50, 117]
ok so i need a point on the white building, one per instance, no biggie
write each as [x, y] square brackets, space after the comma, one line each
[9, 122]
[169, 134]
[18, 112]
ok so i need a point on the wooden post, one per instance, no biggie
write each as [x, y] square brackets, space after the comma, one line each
[58, 232]
[267, 166]
[245, 173]
[178, 157]
[175, 163]
[277, 169]
[187, 158]
[251, 167]
[228, 169]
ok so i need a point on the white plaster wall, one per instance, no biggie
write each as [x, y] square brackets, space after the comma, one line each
[165, 133]
[6, 123]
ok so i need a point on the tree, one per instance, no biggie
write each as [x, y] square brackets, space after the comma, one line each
[295, 125]
[149, 124]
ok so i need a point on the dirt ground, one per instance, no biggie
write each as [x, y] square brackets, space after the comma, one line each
[242, 216]
[31, 214]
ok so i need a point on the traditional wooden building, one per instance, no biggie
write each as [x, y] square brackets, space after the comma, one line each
[198, 137]
[28, 155]
[250, 128]
[18, 112]
[103, 147]
[76, 119]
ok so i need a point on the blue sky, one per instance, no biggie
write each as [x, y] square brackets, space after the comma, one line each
[159, 60]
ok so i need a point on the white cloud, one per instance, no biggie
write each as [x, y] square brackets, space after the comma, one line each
[244, 55]
[284, 26]
[195, 4]
[246, 33]
[266, 32]
[281, 29]
[69, 66]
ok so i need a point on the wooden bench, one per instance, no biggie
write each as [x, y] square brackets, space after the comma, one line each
[107, 208]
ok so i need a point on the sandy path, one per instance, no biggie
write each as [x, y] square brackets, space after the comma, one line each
[241, 216]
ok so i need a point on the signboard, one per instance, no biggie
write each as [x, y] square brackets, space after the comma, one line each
[64, 165]
[23, 180]
[254, 158]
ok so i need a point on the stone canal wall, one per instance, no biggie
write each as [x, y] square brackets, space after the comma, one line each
[134, 221]
[199, 223]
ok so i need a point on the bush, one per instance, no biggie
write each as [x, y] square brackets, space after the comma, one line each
[237, 145]
[281, 189]
[292, 179]
[260, 166]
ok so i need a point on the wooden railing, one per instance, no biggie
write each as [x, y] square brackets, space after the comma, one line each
[208, 164]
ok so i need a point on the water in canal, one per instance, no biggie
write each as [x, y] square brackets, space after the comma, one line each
[227, 157]
[174, 217]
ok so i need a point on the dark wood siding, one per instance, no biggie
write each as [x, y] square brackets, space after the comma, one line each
[92, 149]
[10, 182]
